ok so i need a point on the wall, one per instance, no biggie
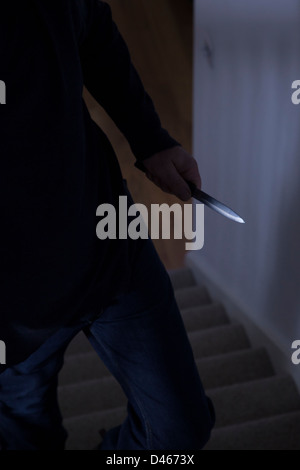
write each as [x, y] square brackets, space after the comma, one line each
[247, 142]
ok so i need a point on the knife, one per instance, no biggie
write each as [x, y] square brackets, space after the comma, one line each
[215, 205]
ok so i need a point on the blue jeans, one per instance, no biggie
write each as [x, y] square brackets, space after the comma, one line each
[142, 340]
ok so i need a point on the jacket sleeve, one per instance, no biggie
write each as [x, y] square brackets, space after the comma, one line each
[113, 81]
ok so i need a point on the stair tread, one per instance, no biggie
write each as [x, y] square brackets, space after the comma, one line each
[83, 430]
[192, 297]
[280, 432]
[234, 404]
[215, 371]
[255, 408]
[79, 345]
[91, 396]
[82, 367]
[79, 365]
[182, 278]
[209, 342]
[205, 316]
[254, 400]
[219, 340]
[234, 368]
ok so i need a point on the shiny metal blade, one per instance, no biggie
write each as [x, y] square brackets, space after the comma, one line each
[215, 205]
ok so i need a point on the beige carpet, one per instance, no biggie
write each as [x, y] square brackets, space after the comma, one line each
[256, 409]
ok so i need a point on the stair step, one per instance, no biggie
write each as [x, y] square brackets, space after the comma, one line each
[216, 371]
[190, 297]
[205, 316]
[99, 394]
[256, 410]
[87, 365]
[234, 404]
[217, 341]
[182, 278]
[205, 343]
[83, 431]
[255, 400]
[82, 367]
[79, 345]
[91, 396]
[234, 368]
[280, 432]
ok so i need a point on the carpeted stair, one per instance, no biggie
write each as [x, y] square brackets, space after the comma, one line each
[256, 409]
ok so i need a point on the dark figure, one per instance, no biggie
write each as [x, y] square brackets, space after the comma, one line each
[57, 278]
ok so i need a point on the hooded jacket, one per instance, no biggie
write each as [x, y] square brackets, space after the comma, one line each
[57, 166]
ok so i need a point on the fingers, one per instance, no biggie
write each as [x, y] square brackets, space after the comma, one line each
[188, 169]
[178, 185]
[170, 181]
[171, 170]
[159, 183]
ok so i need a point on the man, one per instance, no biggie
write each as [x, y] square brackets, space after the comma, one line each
[57, 278]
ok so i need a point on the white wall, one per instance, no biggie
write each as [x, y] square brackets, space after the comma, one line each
[247, 142]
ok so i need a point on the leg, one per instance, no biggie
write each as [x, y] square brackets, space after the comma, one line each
[30, 418]
[142, 340]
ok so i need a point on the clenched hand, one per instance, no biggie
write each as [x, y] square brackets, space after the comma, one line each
[171, 169]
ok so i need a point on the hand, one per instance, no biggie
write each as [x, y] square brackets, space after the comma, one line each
[171, 169]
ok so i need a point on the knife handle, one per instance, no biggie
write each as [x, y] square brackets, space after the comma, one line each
[192, 187]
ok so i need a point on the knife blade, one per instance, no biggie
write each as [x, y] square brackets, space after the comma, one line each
[214, 204]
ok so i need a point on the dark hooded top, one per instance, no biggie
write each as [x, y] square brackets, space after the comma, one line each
[57, 166]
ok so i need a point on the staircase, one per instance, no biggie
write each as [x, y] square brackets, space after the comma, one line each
[256, 409]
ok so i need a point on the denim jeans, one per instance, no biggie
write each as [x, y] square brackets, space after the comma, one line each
[142, 340]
